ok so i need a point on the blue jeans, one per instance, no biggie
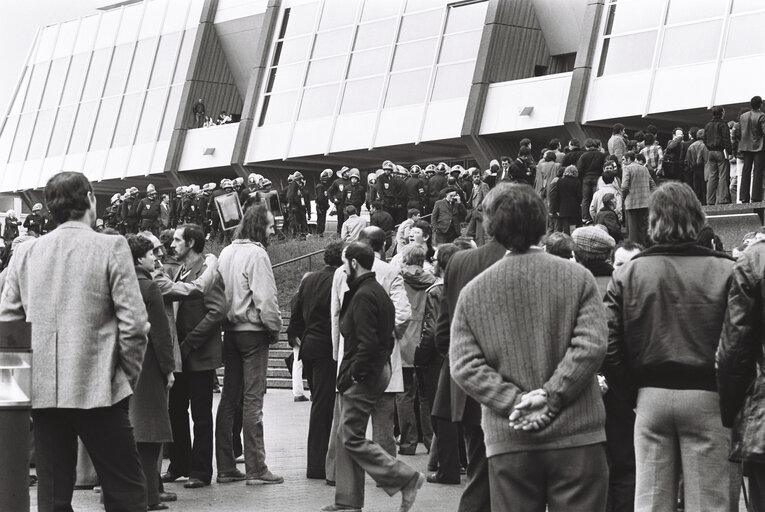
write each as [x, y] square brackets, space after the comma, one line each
[245, 354]
[678, 430]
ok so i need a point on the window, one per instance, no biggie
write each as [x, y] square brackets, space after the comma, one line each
[118, 70]
[150, 115]
[278, 108]
[318, 102]
[631, 16]
[690, 10]
[740, 40]
[420, 26]
[129, 24]
[54, 83]
[369, 62]
[627, 53]
[466, 17]
[407, 88]
[293, 50]
[23, 133]
[123, 135]
[61, 131]
[96, 75]
[41, 135]
[65, 41]
[83, 127]
[185, 56]
[336, 42]
[325, 71]
[705, 37]
[18, 100]
[298, 20]
[453, 81]
[107, 115]
[747, 5]
[151, 23]
[36, 86]
[77, 70]
[163, 66]
[374, 10]
[47, 43]
[460, 46]
[361, 95]
[171, 112]
[107, 28]
[373, 35]
[419, 5]
[6, 138]
[338, 13]
[285, 77]
[86, 34]
[141, 67]
[415, 55]
[175, 17]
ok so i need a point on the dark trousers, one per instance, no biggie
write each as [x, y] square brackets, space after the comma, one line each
[475, 497]
[447, 442]
[589, 184]
[562, 480]
[754, 161]
[108, 436]
[563, 224]
[340, 207]
[299, 224]
[356, 454]
[323, 375]
[620, 451]
[321, 221]
[756, 473]
[694, 178]
[637, 225]
[406, 406]
[149, 454]
[195, 388]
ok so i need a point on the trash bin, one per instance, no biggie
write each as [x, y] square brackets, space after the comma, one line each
[15, 407]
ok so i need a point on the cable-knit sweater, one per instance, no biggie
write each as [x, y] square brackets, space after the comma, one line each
[532, 321]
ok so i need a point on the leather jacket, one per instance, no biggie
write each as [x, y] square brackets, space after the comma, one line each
[665, 312]
[740, 363]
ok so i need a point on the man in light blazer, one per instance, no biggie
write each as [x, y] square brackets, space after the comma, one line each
[89, 328]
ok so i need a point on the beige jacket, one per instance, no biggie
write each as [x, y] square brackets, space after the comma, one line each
[79, 290]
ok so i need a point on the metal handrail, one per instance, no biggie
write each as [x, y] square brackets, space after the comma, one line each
[320, 251]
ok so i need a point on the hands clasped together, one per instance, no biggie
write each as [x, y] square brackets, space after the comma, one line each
[532, 412]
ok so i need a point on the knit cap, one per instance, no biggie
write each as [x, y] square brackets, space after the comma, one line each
[592, 243]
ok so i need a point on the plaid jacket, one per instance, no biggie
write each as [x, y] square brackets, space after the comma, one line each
[637, 186]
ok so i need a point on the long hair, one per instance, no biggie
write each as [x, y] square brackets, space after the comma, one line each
[674, 214]
[253, 225]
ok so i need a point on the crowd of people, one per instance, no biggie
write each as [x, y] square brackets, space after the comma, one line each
[558, 369]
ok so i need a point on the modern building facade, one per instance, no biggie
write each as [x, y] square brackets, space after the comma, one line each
[324, 83]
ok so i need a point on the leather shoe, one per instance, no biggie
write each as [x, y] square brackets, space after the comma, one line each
[158, 506]
[170, 477]
[407, 451]
[433, 479]
[166, 497]
[337, 508]
[195, 483]
[227, 477]
[409, 492]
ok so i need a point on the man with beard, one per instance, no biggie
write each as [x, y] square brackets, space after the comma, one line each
[367, 321]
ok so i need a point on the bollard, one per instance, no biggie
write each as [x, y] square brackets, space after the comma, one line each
[15, 407]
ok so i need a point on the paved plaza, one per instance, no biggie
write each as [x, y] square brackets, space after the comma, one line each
[286, 430]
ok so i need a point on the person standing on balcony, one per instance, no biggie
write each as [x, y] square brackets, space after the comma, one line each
[717, 168]
[199, 113]
[752, 148]
[252, 324]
